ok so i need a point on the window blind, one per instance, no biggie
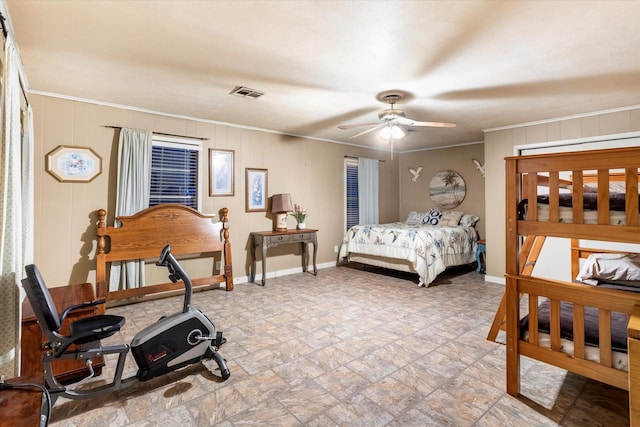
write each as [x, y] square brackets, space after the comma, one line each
[352, 206]
[174, 175]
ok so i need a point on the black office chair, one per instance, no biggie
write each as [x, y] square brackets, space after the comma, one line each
[82, 331]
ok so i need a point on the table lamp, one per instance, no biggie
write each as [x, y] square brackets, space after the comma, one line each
[280, 205]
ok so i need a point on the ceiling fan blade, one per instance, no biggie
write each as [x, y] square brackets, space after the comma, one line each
[410, 122]
[435, 124]
[368, 130]
[357, 125]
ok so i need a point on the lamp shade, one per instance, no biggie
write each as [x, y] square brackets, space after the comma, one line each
[281, 203]
[392, 132]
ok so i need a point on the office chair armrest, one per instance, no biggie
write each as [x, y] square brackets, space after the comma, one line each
[79, 306]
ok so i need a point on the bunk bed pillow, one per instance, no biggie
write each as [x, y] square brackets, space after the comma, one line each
[622, 270]
[469, 220]
[450, 218]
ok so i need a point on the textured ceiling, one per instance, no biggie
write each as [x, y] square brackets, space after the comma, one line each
[324, 63]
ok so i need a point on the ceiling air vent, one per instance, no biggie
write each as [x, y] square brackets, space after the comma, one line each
[246, 92]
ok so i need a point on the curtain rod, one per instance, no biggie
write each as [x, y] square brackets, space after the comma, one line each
[165, 134]
[356, 158]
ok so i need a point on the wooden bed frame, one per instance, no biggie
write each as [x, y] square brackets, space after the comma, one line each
[143, 235]
[524, 239]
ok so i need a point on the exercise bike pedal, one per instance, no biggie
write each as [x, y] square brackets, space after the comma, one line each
[219, 339]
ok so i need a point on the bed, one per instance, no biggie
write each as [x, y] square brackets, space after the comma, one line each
[143, 235]
[530, 300]
[426, 244]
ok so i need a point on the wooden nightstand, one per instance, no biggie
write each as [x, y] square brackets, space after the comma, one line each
[270, 239]
[481, 257]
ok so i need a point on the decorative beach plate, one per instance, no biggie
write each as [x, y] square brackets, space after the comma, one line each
[447, 189]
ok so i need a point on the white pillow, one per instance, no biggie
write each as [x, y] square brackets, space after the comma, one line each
[469, 220]
[610, 268]
[450, 218]
[416, 218]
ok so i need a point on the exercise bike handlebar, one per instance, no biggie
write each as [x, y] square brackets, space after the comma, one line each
[176, 272]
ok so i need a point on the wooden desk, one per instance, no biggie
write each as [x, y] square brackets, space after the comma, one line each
[33, 339]
[270, 239]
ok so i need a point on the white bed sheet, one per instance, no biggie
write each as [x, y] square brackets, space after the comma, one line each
[430, 249]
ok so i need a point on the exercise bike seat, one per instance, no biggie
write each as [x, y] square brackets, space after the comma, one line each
[82, 331]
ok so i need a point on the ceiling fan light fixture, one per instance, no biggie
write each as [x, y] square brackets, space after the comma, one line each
[397, 132]
[392, 119]
[392, 132]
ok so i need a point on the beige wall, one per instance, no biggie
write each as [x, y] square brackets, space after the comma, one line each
[312, 171]
[500, 144]
[414, 196]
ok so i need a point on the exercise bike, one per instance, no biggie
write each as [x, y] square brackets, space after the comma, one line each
[173, 342]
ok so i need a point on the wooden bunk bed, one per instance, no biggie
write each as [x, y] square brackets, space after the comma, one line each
[524, 239]
[143, 235]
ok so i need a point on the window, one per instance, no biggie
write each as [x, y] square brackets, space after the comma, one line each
[175, 171]
[351, 193]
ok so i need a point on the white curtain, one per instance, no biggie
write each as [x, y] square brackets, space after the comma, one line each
[368, 190]
[28, 194]
[132, 196]
[28, 221]
[16, 208]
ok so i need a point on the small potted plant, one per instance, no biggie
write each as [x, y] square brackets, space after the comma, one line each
[300, 214]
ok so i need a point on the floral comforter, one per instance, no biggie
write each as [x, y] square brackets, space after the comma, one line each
[430, 249]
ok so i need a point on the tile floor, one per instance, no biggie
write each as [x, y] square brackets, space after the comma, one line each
[349, 348]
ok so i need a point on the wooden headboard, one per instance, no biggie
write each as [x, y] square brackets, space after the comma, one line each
[143, 235]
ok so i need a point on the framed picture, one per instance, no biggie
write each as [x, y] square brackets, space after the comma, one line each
[73, 164]
[221, 172]
[256, 191]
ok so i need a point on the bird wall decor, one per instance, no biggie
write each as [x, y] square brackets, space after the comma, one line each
[415, 173]
[479, 166]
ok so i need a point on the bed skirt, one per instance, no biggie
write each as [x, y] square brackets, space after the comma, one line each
[404, 265]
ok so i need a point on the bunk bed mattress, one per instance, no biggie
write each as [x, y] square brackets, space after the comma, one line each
[617, 215]
[618, 332]
[429, 249]
[619, 360]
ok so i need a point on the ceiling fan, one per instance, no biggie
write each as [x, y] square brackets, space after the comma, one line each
[392, 119]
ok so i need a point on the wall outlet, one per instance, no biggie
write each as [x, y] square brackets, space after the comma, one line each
[335, 249]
